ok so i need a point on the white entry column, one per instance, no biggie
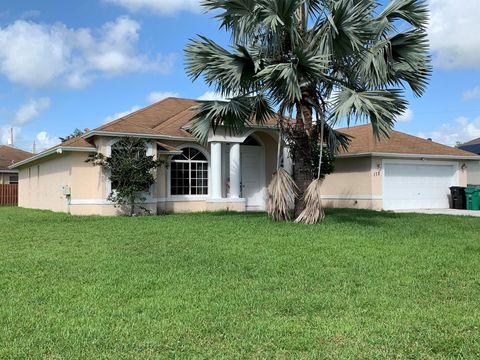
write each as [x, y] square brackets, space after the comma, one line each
[235, 171]
[216, 165]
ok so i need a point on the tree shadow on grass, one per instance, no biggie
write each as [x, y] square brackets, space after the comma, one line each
[333, 216]
[360, 217]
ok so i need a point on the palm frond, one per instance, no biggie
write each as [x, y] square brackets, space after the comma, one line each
[235, 115]
[411, 60]
[336, 140]
[229, 72]
[313, 212]
[415, 12]
[380, 107]
[237, 16]
[281, 194]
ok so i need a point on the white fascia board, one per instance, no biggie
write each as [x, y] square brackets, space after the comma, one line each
[55, 150]
[138, 135]
[412, 156]
[4, 171]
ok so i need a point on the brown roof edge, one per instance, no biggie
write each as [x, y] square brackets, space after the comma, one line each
[168, 148]
[364, 142]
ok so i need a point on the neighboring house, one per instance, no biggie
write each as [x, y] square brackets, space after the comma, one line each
[474, 172]
[472, 146]
[232, 172]
[229, 172]
[402, 172]
[8, 156]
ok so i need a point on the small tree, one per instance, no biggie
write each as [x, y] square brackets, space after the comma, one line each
[76, 133]
[130, 171]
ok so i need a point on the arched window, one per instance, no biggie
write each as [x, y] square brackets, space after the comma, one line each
[189, 173]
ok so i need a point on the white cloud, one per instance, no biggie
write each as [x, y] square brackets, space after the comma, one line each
[31, 110]
[162, 7]
[211, 95]
[472, 94]
[121, 114]
[156, 96]
[406, 117]
[462, 130]
[39, 55]
[454, 29]
[44, 140]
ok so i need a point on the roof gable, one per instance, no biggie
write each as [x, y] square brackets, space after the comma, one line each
[169, 117]
[151, 119]
[10, 155]
[363, 141]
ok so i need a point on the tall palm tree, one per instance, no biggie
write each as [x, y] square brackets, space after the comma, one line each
[324, 61]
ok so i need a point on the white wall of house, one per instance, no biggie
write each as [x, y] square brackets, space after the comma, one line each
[473, 172]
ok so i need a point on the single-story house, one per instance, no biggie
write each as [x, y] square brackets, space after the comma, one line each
[10, 155]
[229, 172]
[232, 171]
[401, 172]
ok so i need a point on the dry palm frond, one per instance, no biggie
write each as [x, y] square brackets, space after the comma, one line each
[313, 211]
[281, 195]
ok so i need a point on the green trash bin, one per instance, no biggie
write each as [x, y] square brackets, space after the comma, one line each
[473, 198]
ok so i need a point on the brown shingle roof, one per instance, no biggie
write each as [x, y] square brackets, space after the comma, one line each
[77, 142]
[10, 155]
[170, 116]
[364, 142]
[149, 119]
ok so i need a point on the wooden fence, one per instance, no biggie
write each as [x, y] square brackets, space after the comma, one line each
[8, 195]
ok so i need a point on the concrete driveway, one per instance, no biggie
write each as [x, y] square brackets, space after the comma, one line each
[453, 212]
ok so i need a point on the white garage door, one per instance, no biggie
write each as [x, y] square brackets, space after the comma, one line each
[417, 186]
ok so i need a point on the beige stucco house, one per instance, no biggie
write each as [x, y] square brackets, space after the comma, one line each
[231, 172]
[400, 173]
[228, 173]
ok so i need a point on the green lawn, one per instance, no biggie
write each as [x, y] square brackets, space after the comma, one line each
[363, 285]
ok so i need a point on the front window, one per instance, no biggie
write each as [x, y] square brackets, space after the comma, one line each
[189, 173]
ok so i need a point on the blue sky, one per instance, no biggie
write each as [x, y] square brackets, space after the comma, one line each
[69, 64]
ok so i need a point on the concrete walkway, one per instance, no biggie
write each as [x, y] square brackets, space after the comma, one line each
[453, 212]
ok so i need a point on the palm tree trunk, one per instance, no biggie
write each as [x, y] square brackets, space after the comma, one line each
[302, 171]
[302, 180]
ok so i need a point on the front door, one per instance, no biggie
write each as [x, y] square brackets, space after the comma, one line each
[253, 181]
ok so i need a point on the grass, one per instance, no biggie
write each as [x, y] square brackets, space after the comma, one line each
[362, 285]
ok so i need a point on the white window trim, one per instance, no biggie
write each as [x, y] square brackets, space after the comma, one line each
[169, 175]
